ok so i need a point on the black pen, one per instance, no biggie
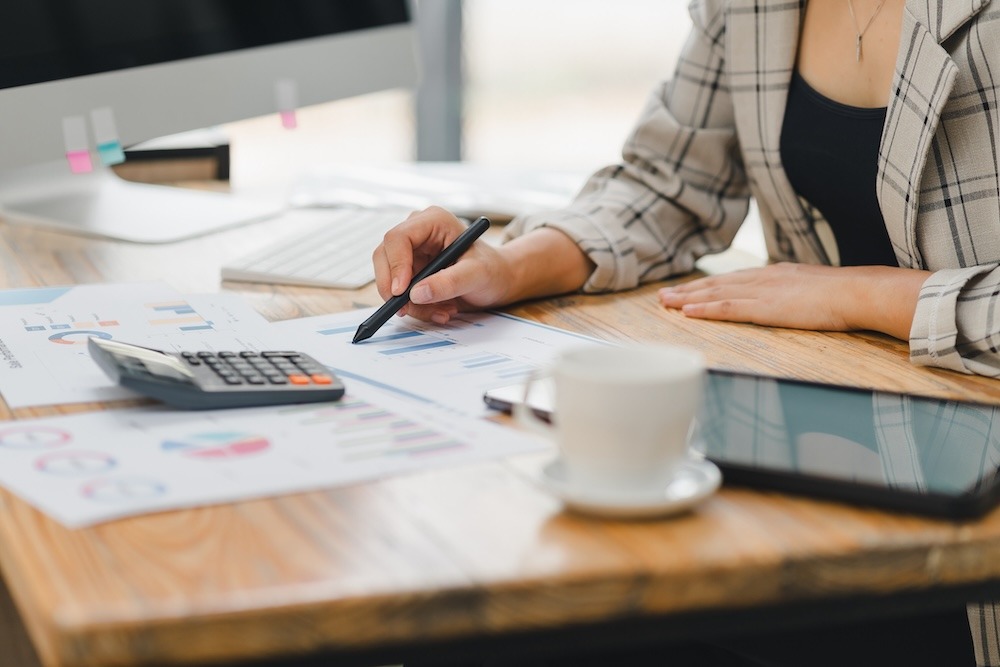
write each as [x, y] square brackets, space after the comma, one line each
[447, 257]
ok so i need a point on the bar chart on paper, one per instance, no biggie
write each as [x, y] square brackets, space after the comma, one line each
[365, 431]
[449, 365]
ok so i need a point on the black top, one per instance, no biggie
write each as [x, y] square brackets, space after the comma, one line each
[830, 152]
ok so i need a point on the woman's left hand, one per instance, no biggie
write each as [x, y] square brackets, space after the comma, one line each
[801, 296]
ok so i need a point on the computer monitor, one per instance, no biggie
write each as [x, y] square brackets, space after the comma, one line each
[81, 79]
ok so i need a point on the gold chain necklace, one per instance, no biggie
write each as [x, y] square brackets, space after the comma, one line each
[861, 31]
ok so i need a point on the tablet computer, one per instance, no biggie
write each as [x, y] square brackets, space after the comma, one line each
[897, 451]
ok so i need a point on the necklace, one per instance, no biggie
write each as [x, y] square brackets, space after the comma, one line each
[861, 31]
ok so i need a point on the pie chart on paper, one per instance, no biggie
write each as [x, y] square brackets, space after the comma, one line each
[224, 445]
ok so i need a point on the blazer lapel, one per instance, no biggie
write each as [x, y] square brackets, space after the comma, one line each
[922, 84]
[761, 50]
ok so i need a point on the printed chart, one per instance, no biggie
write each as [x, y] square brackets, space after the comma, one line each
[448, 365]
[88, 468]
[44, 332]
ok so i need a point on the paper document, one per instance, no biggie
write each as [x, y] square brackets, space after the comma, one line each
[44, 332]
[449, 365]
[84, 469]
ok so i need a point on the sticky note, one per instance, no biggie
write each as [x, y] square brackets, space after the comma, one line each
[286, 94]
[77, 147]
[109, 148]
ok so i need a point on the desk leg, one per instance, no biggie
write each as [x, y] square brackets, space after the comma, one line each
[15, 647]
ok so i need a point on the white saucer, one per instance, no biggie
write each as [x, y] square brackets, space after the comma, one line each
[693, 481]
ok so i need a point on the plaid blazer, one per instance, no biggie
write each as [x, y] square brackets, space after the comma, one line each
[708, 140]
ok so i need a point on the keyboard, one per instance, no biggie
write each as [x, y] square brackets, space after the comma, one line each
[336, 253]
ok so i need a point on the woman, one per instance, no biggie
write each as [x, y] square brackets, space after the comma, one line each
[867, 132]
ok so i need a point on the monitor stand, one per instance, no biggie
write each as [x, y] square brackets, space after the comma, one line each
[101, 204]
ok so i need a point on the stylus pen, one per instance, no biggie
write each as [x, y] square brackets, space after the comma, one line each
[447, 257]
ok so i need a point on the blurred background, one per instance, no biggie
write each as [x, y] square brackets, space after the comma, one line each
[519, 83]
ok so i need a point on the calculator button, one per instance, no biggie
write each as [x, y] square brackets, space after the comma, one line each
[232, 380]
[277, 379]
[298, 379]
[205, 355]
[226, 355]
[273, 354]
[248, 355]
[322, 379]
[255, 379]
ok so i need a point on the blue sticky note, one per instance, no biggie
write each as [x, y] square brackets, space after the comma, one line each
[111, 153]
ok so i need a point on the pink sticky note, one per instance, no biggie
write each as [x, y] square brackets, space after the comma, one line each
[79, 162]
[288, 120]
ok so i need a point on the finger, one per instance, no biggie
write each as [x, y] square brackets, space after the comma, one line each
[439, 313]
[672, 299]
[382, 273]
[397, 247]
[452, 283]
[443, 315]
[422, 234]
[730, 310]
[741, 277]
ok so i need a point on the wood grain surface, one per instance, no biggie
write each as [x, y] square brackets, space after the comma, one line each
[450, 553]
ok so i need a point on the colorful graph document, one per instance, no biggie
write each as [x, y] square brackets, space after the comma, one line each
[44, 332]
[449, 366]
[89, 468]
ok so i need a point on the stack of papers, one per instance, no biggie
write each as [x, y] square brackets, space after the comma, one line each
[413, 402]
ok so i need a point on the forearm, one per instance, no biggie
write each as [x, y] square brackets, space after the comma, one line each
[544, 262]
[882, 298]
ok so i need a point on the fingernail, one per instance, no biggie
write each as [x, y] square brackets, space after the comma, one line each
[395, 286]
[420, 294]
[439, 317]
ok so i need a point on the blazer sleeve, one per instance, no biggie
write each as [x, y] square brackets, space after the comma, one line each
[957, 321]
[680, 191]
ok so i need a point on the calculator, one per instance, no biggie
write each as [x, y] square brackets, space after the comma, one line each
[208, 380]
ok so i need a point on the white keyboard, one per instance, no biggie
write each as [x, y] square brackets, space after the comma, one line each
[336, 253]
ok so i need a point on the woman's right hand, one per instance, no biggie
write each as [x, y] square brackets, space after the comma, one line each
[480, 279]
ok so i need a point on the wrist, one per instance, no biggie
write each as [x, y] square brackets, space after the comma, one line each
[882, 298]
[544, 262]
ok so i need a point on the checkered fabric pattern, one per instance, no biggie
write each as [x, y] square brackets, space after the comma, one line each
[708, 140]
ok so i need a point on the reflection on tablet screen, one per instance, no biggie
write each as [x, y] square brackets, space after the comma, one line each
[854, 439]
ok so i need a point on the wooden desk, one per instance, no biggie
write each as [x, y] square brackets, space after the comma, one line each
[464, 560]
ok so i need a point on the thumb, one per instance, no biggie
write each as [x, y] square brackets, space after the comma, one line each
[451, 283]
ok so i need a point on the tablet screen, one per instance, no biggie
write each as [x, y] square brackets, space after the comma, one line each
[916, 453]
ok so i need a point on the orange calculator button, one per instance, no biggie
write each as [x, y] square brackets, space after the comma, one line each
[322, 379]
[298, 379]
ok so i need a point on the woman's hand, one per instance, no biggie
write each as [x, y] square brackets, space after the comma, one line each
[800, 296]
[542, 262]
[479, 279]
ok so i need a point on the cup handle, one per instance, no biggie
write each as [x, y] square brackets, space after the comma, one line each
[523, 413]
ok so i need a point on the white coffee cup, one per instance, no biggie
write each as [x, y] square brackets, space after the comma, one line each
[623, 414]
